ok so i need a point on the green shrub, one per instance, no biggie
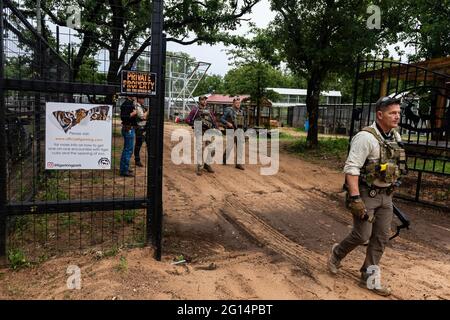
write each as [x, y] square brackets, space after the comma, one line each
[17, 259]
[126, 216]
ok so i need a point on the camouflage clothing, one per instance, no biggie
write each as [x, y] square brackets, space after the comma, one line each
[204, 115]
[390, 165]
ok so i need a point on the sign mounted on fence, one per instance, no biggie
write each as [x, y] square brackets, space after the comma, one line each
[77, 136]
[137, 82]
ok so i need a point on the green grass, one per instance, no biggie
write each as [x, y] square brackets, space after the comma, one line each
[285, 136]
[334, 148]
[53, 191]
[66, 220]
[21, 223]
[413, 138]
[24, 192]
[123, 264]
[438, 166]
[281, 136]
[126, 216]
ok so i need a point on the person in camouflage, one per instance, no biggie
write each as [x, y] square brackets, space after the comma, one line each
[208, 121]
[229, 120]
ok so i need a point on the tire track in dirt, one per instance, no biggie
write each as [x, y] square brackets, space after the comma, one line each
[247, 201]
[308, 262]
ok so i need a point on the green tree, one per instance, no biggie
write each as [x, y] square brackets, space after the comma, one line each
[340, 81]
[425, 25]
[319, 37]
[244, 79]
[255, 71]
[121, 26]
[210, 84]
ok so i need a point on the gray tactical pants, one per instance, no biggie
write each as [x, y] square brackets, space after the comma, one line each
[377, 233]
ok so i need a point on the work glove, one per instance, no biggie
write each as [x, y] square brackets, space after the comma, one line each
[357, 208]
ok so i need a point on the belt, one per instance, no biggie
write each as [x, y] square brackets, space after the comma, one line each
[374, 190]
[127, 127]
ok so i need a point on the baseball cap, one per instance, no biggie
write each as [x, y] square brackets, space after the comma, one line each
[386, 101]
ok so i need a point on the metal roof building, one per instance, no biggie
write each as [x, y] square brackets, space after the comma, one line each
[297, 97]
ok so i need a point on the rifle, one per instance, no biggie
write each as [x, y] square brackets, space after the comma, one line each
[403, 219]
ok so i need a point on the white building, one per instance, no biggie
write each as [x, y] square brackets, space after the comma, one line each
[297, 97]
[283, 108]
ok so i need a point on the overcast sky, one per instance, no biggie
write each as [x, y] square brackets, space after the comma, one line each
[261, 16]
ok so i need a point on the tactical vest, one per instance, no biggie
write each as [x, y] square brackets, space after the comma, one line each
[389, 167]
[239, 120]
[206, 118]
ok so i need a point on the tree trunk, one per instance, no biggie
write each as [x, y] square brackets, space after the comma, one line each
[118, 25]
[258, 98]
[82, 52]
[312, 105]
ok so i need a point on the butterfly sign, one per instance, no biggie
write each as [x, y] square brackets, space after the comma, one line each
[78, 136]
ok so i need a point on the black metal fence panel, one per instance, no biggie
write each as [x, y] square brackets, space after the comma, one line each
[43, 210]
[424, 91]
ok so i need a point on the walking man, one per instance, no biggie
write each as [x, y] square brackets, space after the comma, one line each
[375, 164]
[208, 121]
[229, 120]
[128, 116]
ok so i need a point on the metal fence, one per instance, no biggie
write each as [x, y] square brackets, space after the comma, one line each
[332, 118]
[424, 90]
[45, 211]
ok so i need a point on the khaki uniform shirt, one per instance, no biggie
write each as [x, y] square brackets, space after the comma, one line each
[140, 115]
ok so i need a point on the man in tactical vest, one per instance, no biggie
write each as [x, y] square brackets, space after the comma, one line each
[373, 169]
[229, 120]
[142, 115]
[206, 116]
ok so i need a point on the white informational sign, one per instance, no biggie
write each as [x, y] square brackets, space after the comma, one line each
[77, 136]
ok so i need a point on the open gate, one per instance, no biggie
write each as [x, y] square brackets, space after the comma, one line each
[424, 90]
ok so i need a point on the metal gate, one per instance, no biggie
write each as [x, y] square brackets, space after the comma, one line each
[47, 211]
[424, 90]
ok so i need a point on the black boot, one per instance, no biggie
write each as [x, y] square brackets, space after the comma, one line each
[139, 164]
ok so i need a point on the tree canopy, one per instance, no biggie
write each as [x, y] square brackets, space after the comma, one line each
[425, 25]
[120, 26]
[317, 38]
[210, 84]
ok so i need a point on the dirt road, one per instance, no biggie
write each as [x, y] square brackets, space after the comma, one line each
[248, 236]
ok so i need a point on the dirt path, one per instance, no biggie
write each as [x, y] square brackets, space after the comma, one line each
[248, 236]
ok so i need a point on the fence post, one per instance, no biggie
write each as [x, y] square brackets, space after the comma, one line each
[419, 182]
[355, 96]
[37, 109]
[155, 132]
[3, 157]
